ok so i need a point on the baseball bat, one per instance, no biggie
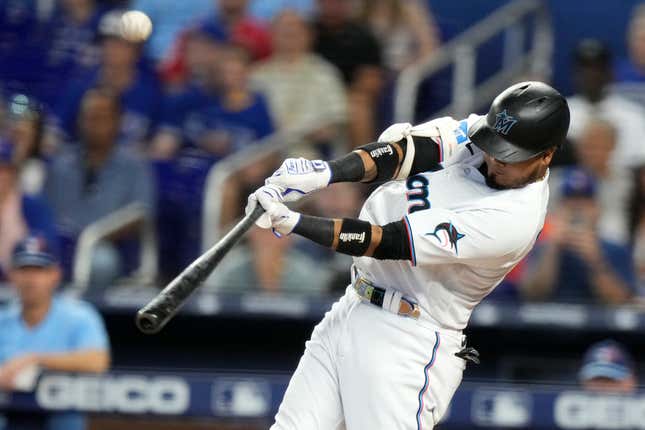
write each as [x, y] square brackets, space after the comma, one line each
[152, 317]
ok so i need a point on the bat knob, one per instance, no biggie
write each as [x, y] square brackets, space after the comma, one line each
[148, 323]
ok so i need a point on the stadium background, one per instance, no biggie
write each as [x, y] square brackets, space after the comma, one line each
[225, 360]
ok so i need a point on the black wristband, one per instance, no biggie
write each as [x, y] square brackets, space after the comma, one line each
[386, 158]
[355, 237]
[349, 168]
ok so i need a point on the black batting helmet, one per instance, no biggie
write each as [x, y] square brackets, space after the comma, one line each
[525, 120]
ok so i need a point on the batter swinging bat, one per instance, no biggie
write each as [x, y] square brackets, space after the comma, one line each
[153, 316]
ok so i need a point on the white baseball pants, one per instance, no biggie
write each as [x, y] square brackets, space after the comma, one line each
[366, 368]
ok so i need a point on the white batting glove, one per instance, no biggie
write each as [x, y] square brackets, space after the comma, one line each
[277, 216]
[298, 177]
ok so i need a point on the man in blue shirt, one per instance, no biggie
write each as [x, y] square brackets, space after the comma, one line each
[96, 177]
[47, 331]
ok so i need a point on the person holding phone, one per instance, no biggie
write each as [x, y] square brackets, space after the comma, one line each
[571, 262]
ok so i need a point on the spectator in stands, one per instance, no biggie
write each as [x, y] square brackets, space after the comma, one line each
[608, 368]
[353, 48]
[95, 177]
[405, 29]
[630, 72]
[44, 330]
[570, 262]
[198, 86]
[201, 126]
[19, 213]
[122, 70]
[592, 76]
[239, 117]
[267, 10]
[345, 42]
[73, 45]
[169, 18]
[594, 151]
[269, 265]
[24, 37]
[25, 131]
[232, 17]
[303, 89]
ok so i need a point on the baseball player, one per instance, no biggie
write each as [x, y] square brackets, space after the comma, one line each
[462, 202]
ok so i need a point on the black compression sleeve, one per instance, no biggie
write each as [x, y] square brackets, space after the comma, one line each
[426, 155]
[394, 243]
[349, 168]
[320, 230]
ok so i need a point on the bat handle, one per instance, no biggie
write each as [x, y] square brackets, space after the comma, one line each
[256, 213]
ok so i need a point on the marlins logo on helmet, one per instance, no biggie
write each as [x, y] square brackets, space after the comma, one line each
[504, 122]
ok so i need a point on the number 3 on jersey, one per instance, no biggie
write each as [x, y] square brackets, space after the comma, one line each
[417, 193]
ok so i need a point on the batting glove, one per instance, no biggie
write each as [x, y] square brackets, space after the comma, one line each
[277, 216]
[298, 177]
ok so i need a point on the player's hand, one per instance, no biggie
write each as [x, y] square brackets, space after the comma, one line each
[298, 177]
[277, 216]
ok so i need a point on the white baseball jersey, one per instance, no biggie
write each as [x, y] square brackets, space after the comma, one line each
[463, 235]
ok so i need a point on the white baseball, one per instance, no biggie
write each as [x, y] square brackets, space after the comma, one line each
[136, 26]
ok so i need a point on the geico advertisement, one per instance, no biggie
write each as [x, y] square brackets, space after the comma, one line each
[114, 393]
[575, 410]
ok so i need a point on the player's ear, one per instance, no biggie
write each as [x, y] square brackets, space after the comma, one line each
[547, 155]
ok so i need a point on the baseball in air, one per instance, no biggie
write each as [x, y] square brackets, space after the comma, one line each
[136, 26]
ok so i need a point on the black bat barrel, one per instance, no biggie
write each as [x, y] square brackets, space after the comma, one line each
[153, 316]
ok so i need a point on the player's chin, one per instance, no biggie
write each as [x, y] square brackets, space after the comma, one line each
[493, 181]
[499, 182]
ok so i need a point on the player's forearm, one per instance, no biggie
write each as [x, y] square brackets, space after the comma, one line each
[356, 237]
[95, 361]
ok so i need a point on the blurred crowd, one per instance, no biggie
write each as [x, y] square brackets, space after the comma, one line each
[104, 108]
[110, 104]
